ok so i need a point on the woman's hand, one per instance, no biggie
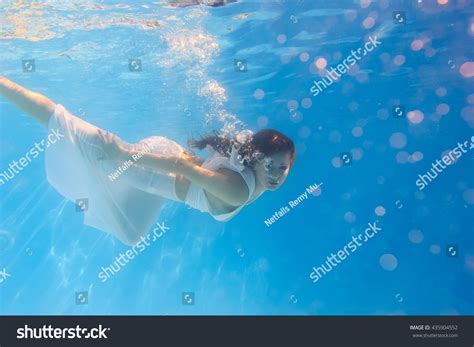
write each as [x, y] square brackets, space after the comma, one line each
[113, 150]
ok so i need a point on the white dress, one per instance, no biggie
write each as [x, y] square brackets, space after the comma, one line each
[126, 206]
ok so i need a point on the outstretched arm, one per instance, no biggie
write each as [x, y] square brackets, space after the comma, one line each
[34, 104]
[227, 185]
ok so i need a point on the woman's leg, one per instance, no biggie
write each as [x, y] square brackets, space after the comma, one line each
[34, 104]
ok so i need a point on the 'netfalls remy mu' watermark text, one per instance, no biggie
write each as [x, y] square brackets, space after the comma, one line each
[312, 189]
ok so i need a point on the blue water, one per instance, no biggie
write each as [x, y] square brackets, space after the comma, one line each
[189, 85]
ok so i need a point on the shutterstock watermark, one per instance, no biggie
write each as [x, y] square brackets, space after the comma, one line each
[335, 259]
[15, 167]
[4, 275]
[449, 159]
[123, 259]
[48, 332]
[332, 75]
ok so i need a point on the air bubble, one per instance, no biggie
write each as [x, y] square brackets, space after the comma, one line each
[388, 262]
[380, 211]
[416, 236]
[244, 136]
[349, 217]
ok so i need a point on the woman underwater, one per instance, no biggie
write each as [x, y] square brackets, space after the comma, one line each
[125, 184]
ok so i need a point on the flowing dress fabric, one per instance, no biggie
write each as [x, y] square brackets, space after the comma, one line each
[124, 203]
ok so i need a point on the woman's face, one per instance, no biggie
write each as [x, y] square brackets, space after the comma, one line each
[272, 170]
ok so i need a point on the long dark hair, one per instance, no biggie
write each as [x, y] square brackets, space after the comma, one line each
[250, 148]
